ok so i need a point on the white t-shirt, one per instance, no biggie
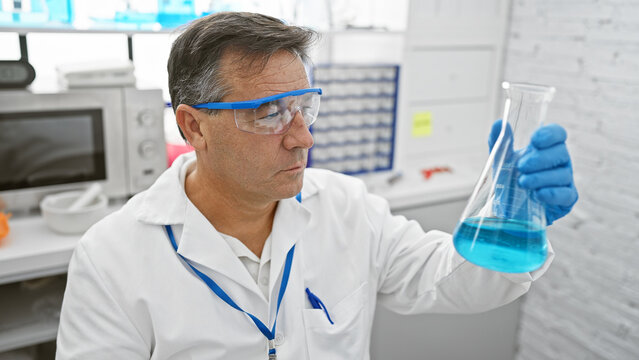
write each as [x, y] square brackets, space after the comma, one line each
[258, 267]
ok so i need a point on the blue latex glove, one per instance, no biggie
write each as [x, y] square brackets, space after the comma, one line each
[545, 167]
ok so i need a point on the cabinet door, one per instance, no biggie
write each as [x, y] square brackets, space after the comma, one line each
[487, 336]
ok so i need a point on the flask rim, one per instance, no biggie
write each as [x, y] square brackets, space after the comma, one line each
[528, 87]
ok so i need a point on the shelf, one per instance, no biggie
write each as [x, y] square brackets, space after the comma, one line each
[30, 312]
[28, 335]
[128, 32]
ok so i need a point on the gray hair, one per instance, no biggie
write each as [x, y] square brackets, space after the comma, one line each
[194, 67]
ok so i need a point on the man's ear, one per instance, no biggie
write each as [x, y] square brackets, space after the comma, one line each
[188, 119]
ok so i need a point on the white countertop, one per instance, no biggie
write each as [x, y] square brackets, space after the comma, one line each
[33, 250]
[414, 190]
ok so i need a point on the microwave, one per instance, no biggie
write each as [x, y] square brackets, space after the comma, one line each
[52, 142]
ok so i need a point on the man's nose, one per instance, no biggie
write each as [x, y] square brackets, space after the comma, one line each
[298, 135]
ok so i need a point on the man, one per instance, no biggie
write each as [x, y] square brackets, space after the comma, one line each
[237, 251]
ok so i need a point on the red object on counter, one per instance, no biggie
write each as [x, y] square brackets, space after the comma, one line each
[175, 150]
[427, 173]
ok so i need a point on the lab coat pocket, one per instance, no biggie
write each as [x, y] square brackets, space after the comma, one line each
[347, 337]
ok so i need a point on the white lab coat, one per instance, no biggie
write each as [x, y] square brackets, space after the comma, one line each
[129, 296]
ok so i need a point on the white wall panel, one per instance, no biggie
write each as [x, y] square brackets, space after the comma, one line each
[449, 74]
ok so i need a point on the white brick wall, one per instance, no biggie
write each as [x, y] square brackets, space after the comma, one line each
[587, 305]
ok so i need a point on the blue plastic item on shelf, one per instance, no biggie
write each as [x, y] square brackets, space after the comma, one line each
[173, 13]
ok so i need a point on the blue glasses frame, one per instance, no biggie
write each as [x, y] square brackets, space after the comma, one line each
[254, 104]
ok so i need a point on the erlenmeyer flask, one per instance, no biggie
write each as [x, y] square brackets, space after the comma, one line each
[503, 226]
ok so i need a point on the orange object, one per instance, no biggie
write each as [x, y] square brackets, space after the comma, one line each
[427, 173]
[4, 225]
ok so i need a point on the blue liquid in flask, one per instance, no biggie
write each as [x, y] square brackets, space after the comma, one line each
[504, 245]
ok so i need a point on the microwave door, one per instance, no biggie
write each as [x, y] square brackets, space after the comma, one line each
[58, 147]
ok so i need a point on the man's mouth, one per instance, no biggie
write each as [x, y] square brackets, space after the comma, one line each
[296, 167]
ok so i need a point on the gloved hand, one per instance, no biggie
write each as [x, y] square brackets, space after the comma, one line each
[544, 166]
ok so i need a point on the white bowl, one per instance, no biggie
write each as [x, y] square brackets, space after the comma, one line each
[56, 213]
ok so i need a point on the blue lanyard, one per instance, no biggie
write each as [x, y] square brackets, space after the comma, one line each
[269, 334]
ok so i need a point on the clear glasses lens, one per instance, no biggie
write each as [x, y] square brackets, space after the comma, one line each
[275, 117]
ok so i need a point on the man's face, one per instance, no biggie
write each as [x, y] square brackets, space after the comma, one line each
[266, 167]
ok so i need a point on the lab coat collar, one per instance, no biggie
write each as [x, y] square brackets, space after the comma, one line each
[201, 243]
[166, 203]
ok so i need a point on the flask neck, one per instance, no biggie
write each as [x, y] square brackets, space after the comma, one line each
[525, 109]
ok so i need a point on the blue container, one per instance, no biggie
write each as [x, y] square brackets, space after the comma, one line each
[504, 245]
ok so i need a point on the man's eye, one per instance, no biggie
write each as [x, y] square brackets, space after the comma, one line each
[273, 117]
[266, 111]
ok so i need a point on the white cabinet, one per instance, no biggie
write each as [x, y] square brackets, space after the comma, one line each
[466, 74]
[451, 72]
[453, 132]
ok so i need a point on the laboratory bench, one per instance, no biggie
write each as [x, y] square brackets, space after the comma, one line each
[34, 259]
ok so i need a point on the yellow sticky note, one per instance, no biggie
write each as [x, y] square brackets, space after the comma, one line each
[422, 124]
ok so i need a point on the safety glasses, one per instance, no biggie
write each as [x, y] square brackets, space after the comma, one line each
[272, 114]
